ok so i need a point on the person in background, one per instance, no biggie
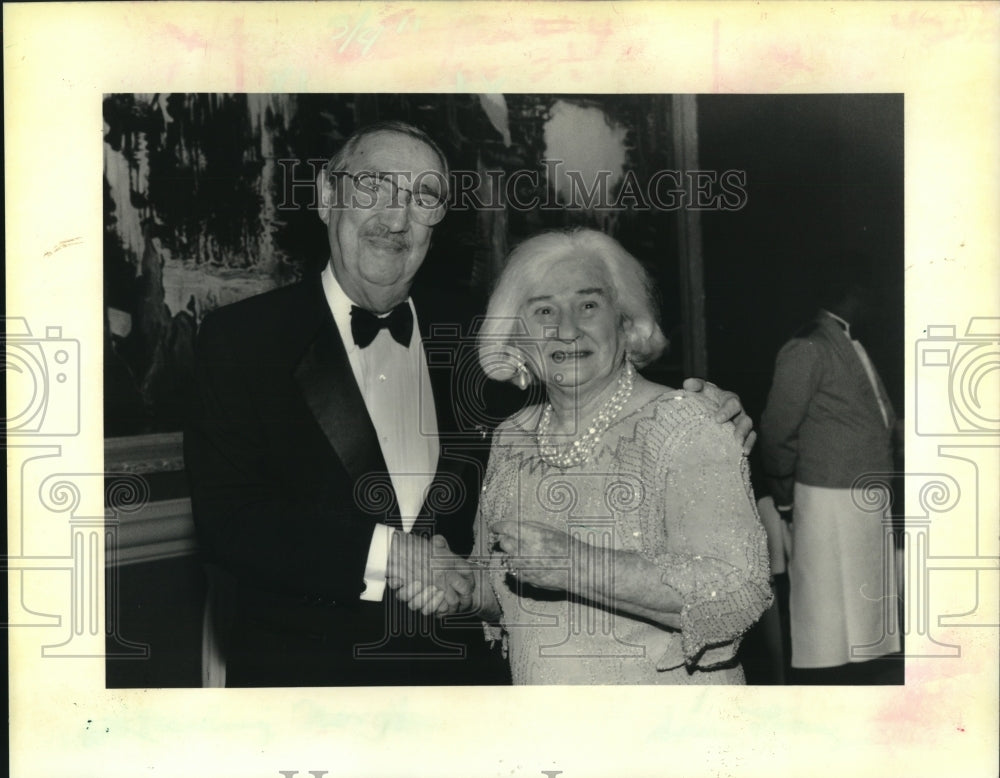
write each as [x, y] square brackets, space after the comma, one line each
[827, 448]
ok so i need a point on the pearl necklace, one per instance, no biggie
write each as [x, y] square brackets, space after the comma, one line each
[580, 450]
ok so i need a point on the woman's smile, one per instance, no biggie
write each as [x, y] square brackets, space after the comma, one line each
[573, 355]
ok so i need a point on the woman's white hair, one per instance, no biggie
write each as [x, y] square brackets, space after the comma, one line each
[631, 294]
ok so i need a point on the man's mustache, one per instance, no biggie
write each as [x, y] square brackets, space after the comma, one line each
[383, 234]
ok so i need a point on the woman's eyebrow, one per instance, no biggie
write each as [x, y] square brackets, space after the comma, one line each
[599, 290]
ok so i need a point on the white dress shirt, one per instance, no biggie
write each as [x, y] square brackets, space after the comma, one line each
[396, 388]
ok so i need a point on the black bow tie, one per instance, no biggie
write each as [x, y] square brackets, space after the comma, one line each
[365, 325]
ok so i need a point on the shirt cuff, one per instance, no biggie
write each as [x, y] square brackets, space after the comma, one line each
[377, 564]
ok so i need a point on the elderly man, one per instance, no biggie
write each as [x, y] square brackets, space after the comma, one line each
[323, 483]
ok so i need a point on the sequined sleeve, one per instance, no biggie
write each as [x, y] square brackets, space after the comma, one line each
[715, 549]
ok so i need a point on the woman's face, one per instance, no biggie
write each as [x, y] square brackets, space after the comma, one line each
[575, 333]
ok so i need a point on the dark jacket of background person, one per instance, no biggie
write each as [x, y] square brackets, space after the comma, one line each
[822, 425]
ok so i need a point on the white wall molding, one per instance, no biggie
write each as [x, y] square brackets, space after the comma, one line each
[160, 530]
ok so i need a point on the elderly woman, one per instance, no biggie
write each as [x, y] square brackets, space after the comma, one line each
[618, 517]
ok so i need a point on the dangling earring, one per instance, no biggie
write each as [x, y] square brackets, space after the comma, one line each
[521, 377]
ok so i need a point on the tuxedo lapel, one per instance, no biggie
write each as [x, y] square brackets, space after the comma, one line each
[327, 383]
[444, 348]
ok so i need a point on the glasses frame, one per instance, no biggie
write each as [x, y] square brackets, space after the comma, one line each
[428, 217]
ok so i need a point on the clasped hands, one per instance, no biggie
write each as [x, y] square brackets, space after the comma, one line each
[428, 576]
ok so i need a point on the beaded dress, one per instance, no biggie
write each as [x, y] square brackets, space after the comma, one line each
[667, 482]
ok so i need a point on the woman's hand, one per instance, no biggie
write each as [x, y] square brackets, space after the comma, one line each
[617, 581]
[538, 554]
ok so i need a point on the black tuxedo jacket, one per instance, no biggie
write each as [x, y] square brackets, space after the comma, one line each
[288, 481]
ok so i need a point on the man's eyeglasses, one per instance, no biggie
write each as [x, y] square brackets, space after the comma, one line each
[427, 206]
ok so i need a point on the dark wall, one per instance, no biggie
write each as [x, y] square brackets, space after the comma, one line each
[824, 175]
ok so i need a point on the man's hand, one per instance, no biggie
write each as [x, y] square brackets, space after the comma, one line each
[428, 577]
[730, 408]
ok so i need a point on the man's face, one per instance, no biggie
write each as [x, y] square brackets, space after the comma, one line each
[376, 246]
